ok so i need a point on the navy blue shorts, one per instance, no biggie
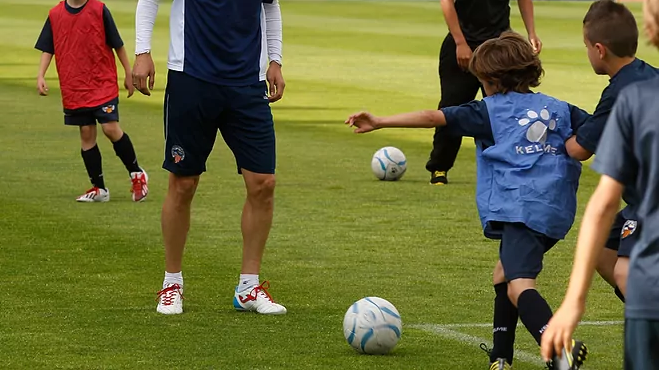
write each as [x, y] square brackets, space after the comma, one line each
[522, 250]
[87, 116]
[194, 112]
[623, 235]
[640, 344]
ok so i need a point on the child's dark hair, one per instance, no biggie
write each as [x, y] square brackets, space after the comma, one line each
[613, 25]
[508, 63]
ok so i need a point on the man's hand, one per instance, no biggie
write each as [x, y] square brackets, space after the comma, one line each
[559, 333]
[364, 121]
[275, 82]
[42, 87]
[128, 84]
[463, 55]
[536, 43]
[144, 69]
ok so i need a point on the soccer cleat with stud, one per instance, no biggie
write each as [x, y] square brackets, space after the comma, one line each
[257, 299]
[500, 364]
[439, 178]
[170, 299]
[570, 361]
[139, 185]
[95, 194]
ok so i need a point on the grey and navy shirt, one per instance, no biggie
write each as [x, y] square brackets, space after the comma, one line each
[628, 153]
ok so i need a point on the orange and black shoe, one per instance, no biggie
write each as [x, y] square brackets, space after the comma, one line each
[439, 178]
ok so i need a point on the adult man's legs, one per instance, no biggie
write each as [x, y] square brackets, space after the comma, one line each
[175, 223]
[457, 86]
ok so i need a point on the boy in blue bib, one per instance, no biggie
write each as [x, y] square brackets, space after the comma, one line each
[526, 182]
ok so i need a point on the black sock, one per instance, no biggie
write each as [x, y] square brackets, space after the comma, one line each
[535, 313]
[124, 149]
[619, 294]
[92, 160]
[505, 320]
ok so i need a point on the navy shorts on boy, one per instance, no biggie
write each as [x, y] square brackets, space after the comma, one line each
[105, 113]
[526, 182]
[195, 110]
[623, 233]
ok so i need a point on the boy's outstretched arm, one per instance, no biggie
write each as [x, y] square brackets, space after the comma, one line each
[526, 8]
[43, 68]
[125, 63]
[598, 218]
[366, 122]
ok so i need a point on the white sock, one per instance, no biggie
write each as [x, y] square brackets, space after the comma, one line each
[248, 281]
[173, 278]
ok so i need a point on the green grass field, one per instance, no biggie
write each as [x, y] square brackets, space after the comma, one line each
[79, 281]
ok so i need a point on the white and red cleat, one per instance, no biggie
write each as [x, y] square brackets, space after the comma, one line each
[170, 299]
[257, 299]
[140, 188]
[95, 194]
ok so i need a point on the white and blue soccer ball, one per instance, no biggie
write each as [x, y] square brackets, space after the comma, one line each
[388, 163]
[372, 325]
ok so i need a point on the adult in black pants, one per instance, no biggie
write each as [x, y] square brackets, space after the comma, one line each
[470, 22]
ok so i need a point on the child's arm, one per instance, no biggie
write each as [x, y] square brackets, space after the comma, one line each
[596, 223]
[43, 68]
[366, 122]
[579, 119]
[526, 8]
[128, 78]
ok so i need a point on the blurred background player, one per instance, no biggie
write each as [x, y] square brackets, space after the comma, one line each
[470, 22]
[526, 183]
[82, 34]
[611, 37]
[628, 161]
[219, 62]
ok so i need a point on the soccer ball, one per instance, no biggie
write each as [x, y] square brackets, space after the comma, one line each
[388, 163]
[372, 325]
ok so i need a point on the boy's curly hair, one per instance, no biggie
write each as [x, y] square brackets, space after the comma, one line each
[508, 63]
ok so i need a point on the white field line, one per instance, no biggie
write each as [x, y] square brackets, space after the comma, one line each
[478, 325]
[447, 331]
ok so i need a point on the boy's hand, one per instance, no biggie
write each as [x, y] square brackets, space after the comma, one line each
[536, 43]
[42, 87]
[128, 85]
[559, 333]
[144, 69]
[275, 82]
[364, 121]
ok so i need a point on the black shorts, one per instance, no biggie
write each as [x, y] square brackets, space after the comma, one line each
[194, 112]
[640, 344]
[522, 250]
[623, 234]
[88, 116]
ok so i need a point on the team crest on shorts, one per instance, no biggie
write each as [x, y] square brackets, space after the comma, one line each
[628, 228]
[178, 153]
[108, 109]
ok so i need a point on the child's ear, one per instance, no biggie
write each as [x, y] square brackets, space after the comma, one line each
[602, 50]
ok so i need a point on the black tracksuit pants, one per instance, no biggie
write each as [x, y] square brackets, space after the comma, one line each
[457, 86]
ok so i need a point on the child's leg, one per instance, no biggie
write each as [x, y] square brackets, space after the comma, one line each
[521, 253]
[91, 155]
[122, 145]
[505, 319]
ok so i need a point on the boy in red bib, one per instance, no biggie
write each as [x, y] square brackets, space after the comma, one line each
[82, 34]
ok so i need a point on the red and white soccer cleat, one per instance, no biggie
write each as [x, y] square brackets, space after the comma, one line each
[140, 188]
[95, 195]
[257, 299]
[170, 299]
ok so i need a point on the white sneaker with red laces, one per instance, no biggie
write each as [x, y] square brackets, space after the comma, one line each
[257, 299]
[140, 189]
[170, 299]
[95, 195]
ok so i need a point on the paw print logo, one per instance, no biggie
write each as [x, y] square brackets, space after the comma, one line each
[538, 125]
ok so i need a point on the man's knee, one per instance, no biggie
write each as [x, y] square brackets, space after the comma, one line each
[621, 271]
[183, 187]
[261, 187]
